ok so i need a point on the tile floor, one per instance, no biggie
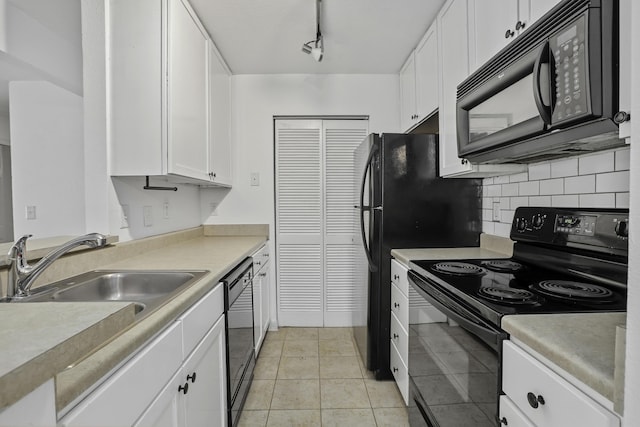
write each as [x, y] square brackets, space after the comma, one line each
[313, 377]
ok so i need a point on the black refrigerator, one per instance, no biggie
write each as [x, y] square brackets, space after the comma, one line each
[402, 203]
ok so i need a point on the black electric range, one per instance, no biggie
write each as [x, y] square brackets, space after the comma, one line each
[564, 261]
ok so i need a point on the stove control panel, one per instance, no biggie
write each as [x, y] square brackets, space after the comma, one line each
[576, 224]
[605, 230]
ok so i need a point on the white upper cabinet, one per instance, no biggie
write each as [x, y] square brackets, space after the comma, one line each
[408, 93]
[498, 22]
[219, 119]
[454, 65]
[419, 82]
[426, 58]
[187, 98]
[169, 94]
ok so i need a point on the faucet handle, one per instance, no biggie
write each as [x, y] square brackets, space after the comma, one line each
[19, 247]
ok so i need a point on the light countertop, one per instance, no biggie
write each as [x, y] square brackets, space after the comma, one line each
[96, 337]
[583, 344]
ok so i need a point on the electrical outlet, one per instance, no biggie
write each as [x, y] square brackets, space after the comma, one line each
[255, 179]
[124, 216]
[165, 210]
[30, 212]
[496, 211]
[147, 216]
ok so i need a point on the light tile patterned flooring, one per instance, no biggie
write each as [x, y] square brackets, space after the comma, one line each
[314, 377]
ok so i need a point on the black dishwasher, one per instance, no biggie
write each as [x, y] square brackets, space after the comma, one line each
[238, 300]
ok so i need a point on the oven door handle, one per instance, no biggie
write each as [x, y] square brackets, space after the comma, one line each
[493, 337]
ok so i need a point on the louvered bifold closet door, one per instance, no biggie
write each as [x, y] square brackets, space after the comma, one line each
[299, 222]
[341, 138]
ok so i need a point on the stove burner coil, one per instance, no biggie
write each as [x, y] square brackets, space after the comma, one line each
[502, 265]
[458, 269]
[508, 296]
[570, 290]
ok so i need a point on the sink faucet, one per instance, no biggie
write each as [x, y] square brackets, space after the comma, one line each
[22, 275]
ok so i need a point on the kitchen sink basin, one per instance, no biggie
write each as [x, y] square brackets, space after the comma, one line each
[147, 289]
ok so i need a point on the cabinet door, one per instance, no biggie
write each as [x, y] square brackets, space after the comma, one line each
[258, 294]
[454, 65]
[426, 58]
[265, 282]
[187, 97]
[537, 8]
[495, 26]
[408, 94]
[219, 118]
[510, 415]
[166, 410]
[205, 402]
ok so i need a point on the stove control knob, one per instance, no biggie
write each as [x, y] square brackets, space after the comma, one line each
[521, 224]
[538, 221]
[622, 228]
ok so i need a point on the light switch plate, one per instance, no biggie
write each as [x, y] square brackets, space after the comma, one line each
[496, 211]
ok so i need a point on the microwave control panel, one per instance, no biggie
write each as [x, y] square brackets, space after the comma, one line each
[569, 50]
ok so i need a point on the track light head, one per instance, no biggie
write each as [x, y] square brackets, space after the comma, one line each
[306, 48]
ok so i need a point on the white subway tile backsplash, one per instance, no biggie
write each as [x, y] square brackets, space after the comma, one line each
[529, 188]
[565, 201]
[507, 216]
[519, 177]
[614, 181]
[488, 227]
[510, 189]
[580, 184]
[623, 161]
[505, 202]
[501, 179]
[603, 200]
[540, 201]
[519, 201]
[622, 200]
[494, 190]
[502, 229]
[552, 186]
[599, 180]
[597, 163]
[562, 168]
[540, 171]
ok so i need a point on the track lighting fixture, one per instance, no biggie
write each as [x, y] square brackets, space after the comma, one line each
[317, 50]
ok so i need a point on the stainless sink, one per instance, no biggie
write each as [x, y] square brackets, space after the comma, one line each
[147, 289]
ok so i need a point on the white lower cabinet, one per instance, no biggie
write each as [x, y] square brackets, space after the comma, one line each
[543, 397]
[196, 395]
[178, 379]
[510, 415]
[36, 409]
[261, 289]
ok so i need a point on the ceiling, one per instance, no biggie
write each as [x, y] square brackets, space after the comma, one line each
[360, 36]
[266, 36]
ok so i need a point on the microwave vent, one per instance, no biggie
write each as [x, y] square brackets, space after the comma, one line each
[562, 14]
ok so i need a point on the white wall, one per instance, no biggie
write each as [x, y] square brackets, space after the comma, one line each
[47, 159]
[598, 180]
[256, 100]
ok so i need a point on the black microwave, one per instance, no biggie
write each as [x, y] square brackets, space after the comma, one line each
[552, 92]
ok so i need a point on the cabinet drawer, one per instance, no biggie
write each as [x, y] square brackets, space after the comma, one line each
[400, 373]
[198, 319]
[399, 276]
[564, 404]
[260, 259]
[122, 397]
[400, 338]
[510, 415]
[399, 305]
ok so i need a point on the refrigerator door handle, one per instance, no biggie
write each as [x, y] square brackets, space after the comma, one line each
[372, 266]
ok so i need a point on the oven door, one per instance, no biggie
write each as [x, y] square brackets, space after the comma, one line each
[454, 367]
